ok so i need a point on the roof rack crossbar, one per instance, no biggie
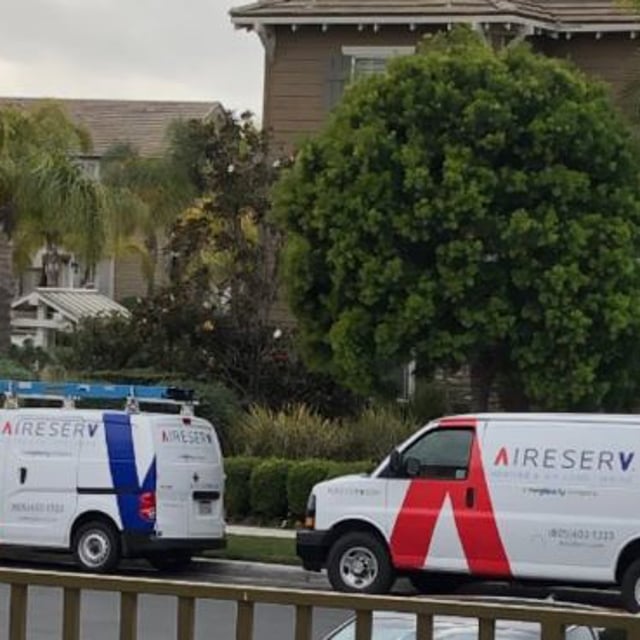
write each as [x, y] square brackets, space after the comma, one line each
[83, 390]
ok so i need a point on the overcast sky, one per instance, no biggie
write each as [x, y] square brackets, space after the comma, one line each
[136, 49]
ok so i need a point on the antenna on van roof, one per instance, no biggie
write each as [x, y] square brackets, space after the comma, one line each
[69, 392]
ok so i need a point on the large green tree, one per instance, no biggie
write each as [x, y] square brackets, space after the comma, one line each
[46, 199]
[470, 207]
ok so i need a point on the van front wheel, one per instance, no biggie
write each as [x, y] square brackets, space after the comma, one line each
[96, 547]
[359, 563]
[630, 588]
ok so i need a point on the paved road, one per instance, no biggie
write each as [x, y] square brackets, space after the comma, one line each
[157, 620]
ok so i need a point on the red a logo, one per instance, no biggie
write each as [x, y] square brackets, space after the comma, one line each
[412, 534]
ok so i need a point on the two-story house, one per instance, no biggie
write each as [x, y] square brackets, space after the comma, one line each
[314, 47]
[39, 313]
[141, 124]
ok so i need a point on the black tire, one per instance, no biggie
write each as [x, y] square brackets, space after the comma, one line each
[434, 583]
[359, 562]
[630, 587]
[96, 547]
[177, 561]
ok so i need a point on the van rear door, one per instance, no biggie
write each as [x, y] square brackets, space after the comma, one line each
[190, 479]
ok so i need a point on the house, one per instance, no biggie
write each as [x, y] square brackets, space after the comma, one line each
[314, 47]
[143, 125]
[41, 314]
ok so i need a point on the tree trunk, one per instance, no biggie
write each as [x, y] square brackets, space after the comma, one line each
[6, 293]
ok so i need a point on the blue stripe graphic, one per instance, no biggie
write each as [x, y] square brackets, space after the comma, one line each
[124, 475]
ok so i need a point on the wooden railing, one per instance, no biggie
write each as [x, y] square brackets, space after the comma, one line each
[552, 620]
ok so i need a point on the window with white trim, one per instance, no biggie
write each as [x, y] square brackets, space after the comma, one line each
[367, 61]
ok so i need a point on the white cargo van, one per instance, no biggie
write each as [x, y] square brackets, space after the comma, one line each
[109, 484]
[551, 498]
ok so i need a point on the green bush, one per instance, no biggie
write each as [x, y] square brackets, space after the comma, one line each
[269, 488]
[431, 400]
[9, 369]
[376, 431]
[237, 496]
[302, 477]
[295, 433]
[337, 469]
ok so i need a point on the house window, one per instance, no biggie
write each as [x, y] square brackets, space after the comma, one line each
[367, 61]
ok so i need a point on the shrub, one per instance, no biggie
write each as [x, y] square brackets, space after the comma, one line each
[337, 469]
[376, 431]
[9, 369]
[431, 400]
[237, 496]
[302, 477]
[269, 488]
[295, 433]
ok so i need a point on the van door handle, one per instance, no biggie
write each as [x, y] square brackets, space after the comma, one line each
[23, 475]
[470, 498]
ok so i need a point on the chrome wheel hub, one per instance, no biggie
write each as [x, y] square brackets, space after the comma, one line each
[358, 568]
[94, 549]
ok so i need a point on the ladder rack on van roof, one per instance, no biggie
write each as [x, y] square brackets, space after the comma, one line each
[69, 392]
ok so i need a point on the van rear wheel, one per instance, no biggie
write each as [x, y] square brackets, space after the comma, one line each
[630, 588]
[359, 562]
[96, 547]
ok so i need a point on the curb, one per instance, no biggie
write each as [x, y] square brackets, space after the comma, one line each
[261, 532]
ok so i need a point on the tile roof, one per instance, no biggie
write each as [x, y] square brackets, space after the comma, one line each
[561, 14]
[142, 124]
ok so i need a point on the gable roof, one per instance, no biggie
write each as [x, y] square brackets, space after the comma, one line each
[71, 304]
[143, 124]
[557, 15]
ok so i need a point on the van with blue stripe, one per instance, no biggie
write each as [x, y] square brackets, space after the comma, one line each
[109, 484]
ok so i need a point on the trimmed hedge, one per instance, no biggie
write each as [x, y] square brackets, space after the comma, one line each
[274, 488]
[237, 488]
[269, 488]
[302, 477]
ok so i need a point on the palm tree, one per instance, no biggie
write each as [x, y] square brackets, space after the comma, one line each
[152, 193]
[46, 199]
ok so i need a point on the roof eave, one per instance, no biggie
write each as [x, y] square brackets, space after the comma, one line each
[252, 22]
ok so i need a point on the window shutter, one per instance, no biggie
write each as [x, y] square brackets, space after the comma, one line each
[339, 74]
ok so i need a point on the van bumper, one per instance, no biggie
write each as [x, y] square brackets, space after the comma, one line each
[312, 547]
[136, 545]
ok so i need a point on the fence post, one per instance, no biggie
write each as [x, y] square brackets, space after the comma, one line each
[364, 624]
[244, 620]
[186, 618]
[552, 630]
[71, 614]
[128, 616]
[487, 629]
[18, 612]
[304, 622]
[424, 627]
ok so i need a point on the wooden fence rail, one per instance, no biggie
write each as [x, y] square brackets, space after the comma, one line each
[552, 620]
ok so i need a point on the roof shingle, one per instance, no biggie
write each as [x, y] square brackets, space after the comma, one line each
[567, 14]
[143, 124]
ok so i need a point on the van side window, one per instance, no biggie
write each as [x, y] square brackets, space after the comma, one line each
[442, 454]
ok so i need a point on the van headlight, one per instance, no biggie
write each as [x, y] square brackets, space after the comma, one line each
[310, 514]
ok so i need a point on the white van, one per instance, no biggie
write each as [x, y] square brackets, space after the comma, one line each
[109, 484]
[551, 498]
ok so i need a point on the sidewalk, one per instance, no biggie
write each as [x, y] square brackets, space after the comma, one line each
[264, 532]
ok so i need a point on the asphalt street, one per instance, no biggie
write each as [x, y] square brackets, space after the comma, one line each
[214, 620]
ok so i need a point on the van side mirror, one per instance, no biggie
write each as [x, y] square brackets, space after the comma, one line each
[395, 462]
[412, 467]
